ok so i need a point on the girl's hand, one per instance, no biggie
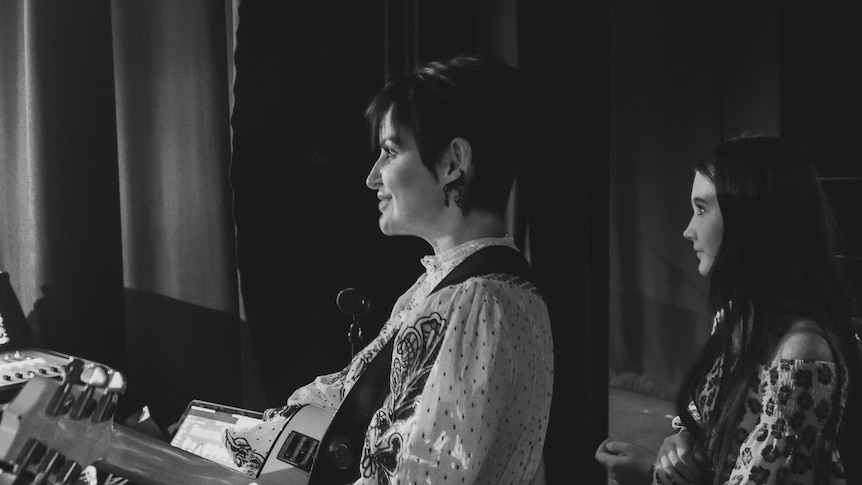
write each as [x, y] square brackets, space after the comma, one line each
[675, 462]
[626, 463]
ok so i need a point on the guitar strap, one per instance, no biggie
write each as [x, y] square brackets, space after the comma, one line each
[340, 449]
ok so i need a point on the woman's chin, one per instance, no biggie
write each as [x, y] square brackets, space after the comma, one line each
[387, 228]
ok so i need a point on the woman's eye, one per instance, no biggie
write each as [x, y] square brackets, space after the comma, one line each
[388, 151]
[699, 210]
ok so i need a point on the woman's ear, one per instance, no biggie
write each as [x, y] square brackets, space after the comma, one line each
[458, 158]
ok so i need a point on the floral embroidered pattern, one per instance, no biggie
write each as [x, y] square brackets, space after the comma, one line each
[787, 431]
[243, 454]
[413, 355]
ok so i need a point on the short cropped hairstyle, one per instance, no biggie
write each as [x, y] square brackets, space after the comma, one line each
[473, 96]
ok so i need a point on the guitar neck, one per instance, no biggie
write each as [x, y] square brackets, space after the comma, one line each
[55, 428]
[111, 447]
[145, 460]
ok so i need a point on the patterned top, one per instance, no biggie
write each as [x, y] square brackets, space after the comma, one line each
[788, 429]
[470, 383]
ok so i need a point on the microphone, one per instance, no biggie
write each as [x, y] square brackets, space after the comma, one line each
[351, 302]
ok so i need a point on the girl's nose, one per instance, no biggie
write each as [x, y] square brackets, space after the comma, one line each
[689, 233]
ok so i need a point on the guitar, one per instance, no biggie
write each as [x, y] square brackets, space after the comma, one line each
[53, 429]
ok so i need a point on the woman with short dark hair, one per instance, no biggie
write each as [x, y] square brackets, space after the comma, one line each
[470, 380]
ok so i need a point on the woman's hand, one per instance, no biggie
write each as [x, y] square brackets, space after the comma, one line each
[675, 462]
[626, 463]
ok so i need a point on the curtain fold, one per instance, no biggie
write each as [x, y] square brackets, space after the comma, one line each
[665, 112]
[306, 223]
[116, 224]
[680, 83]
[60, 173]
[178, 236]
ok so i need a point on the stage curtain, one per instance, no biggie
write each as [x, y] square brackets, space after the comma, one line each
[682, 77]
[115, 221]
[306, 224]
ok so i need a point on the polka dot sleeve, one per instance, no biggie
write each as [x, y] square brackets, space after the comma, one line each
[471, 404]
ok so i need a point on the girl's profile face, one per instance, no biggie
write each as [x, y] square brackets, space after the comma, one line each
[706, 225]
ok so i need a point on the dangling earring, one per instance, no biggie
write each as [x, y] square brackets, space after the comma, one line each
[458, 186]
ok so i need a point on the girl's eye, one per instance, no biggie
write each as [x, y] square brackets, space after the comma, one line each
[388, 151]
[699, 210]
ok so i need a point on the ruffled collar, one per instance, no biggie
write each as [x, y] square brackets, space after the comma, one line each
[439, 265]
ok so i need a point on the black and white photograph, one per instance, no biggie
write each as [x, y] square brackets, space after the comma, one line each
[415, 242]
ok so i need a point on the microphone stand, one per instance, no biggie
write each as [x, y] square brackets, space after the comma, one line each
[351, 302]
[354, 335]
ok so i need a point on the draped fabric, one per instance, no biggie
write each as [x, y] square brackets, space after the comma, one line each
[678, 86]
[115, 221]
[306, 225]
[657, 299]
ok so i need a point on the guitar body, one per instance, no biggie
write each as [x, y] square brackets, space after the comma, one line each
[292, 459]
[52, 430]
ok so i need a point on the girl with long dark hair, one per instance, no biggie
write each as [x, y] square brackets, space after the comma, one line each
[768, 399]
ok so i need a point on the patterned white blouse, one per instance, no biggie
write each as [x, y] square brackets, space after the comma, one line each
[470, 383]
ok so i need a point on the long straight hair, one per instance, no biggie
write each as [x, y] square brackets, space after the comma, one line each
[777, 255]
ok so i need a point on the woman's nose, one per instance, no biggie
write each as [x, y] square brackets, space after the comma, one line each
[372, 181]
